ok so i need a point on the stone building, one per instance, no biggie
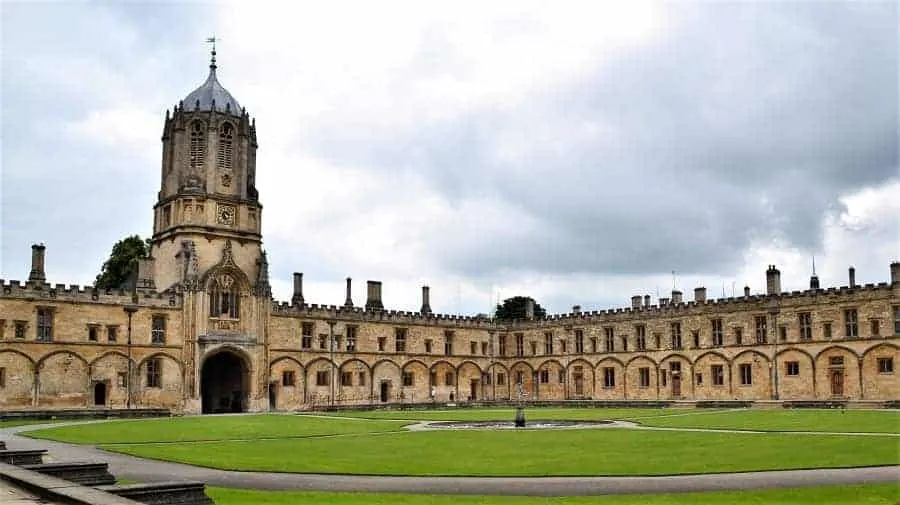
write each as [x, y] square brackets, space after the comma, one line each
[200, 332]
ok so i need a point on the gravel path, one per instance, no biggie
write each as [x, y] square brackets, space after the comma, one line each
[143, 470]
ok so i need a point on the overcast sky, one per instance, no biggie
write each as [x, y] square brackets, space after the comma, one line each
[575, 152]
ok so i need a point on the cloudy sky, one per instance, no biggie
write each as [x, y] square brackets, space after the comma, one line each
[575, 152]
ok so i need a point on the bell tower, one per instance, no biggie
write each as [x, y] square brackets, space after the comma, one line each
[208, 196]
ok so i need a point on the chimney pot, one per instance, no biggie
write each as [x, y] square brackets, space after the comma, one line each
[348, 303]
[746, 291]
[373, 295]
[851, 273]
[426, 300]
[37, 273]
[700, 295]
[676, 296]
[636, 302]
[646, 301]
[297, 298]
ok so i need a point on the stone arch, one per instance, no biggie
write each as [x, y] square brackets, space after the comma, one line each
[550, 383]
[675, 384]
[321, 381]
[63, 381]
[878, 385]
[418, 389]
[837, 373]
[760, 386]
[109, 371]
[287, 383]
[604, 389]
[634, 388]
[802, 385]
[579, 383]
[704, 379]
[444, 380]
[20, 378]
[354, 382]
[225, 380]
[642, 356]
[386, 381]
[469, 381]
[499, 388]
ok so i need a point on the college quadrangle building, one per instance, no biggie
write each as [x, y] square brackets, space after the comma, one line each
[200, 332]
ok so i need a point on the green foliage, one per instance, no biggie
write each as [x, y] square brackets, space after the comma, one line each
[870, 494]
[514, 308]
[122, 262]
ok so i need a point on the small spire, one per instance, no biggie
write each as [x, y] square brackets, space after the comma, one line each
[814, 264]
[212, 62]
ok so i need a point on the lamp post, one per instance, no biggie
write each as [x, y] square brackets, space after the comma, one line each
[331, 358]
[130, 310]
[774, 311]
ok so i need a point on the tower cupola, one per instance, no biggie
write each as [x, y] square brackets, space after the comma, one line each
[211, 95]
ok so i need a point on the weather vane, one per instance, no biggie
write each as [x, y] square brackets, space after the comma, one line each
[212, 40]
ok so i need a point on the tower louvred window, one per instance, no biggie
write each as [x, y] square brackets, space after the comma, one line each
[226, 147]
[198, 145]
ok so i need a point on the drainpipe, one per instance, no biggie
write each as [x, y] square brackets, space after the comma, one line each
[130, 310]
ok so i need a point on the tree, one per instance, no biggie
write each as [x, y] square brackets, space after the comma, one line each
[514, 308]
[122, 262]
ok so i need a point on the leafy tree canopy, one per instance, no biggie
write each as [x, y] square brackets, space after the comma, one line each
[122, 262]
[514, 308]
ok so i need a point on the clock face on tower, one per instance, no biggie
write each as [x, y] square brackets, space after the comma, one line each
[225, 215]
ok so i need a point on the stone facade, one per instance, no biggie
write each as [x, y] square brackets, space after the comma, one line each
[198, 331]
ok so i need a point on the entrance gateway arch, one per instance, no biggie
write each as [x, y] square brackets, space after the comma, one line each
[224, 382]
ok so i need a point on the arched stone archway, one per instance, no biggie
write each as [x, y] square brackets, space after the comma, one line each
[224, 383]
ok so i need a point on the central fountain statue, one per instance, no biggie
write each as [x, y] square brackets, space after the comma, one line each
[520, 409]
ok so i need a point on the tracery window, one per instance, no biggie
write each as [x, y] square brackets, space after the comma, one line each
[226, 147]
[198, 145]
[224, 299]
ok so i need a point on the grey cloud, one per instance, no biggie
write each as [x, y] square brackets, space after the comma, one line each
[742, 122]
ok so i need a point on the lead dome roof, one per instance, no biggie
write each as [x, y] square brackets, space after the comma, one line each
[212, 96]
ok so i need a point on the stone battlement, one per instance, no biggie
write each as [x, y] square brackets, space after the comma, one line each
[75, 293]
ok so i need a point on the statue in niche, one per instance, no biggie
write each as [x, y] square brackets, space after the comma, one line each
[188, 257]
[226, 180]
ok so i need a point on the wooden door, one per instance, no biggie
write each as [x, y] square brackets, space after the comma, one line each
[676, 385]
[473, 389]
[579, 384]
[837, 383]
[385, 391]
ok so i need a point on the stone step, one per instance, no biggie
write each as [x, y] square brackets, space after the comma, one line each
[22, 457]
[163, 493]
[84, 473]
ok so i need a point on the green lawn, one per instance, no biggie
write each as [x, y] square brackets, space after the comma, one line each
[200, 428]
[871, 494]
[508, 414]
[533, 453]
[871, 421]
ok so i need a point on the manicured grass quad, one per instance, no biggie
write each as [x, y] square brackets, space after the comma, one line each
[362, 445]
[872, 494]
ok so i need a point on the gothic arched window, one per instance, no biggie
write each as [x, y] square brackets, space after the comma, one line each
[226, 149]
[198, 145]
[224, 299]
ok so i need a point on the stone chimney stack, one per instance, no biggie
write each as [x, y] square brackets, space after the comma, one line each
[895, 272]
[773, 281]
[373, 295]
[348, 303]
[646, 301]
[529, 309]
[663, 302]
[676, 296]
[851, 273]
[576, 309]
[426, 300]
[746, 291]
[297, 299]
[636, 302]
[145, 274]
[37, 264]
[700, 295]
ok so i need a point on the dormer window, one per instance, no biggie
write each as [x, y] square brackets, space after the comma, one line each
[224, 300]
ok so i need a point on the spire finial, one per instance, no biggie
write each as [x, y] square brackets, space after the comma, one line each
[814, 264]
[212, 62]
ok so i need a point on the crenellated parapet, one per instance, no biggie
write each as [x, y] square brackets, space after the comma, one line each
[74, 293]
[396, 317]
